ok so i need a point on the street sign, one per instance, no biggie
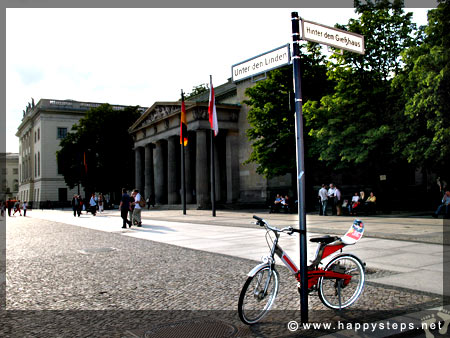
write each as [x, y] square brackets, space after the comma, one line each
[262, 63]
[331, 36]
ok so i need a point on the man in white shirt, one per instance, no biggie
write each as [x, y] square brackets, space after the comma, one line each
[331, 198]
[136, 219]
[323, 195]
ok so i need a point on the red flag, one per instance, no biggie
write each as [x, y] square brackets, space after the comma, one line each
[212, 109]
[183, 124]
[84, 162]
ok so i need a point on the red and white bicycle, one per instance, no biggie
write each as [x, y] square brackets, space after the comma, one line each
[339, 283]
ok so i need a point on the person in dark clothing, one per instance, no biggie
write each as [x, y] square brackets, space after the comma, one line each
[75, 204]
[125, 207]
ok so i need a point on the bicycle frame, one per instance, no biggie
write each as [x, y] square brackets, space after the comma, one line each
[314, 272]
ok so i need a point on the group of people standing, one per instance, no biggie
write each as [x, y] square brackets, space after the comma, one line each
[15, 205]
[96, 203]
[131, 206]
[332, 196]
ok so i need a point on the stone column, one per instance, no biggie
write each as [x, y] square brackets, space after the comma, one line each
[188, 172]
[149, 179]
[216, 170]
[202, 173]
[232, 162]
[139, 178]
[159, 174]
[172, 193]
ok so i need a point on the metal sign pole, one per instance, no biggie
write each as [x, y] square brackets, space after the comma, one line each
[300, 167]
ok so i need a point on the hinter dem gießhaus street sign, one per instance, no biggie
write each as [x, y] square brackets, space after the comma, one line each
[261, 63]
[334, 37]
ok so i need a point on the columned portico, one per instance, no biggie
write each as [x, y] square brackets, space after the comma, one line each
[157, 134]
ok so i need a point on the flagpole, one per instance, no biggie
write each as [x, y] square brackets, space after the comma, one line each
[183, 171]
[213, 177]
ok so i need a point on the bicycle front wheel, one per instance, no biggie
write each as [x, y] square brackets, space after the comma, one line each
[258, 295]
[335, 293]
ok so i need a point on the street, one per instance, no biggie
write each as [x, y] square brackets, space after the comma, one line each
[139, 279]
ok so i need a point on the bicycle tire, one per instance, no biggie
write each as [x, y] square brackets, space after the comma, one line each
[252, 306]
[330, 290]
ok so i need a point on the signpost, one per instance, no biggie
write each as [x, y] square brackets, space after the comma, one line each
[262, 63]
[278, 57]
[331, 36]
[335, 38]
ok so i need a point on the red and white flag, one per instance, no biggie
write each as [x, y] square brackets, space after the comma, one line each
[212, 109]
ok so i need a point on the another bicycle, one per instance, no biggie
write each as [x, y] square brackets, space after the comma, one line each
[339, 283]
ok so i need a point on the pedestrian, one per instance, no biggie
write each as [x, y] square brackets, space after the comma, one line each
[100, 203]
[9, 205]
[338, 201]
[17, 208]
[323, 199]
[24, 207]
[131, 207]
[137, 208]
[332, 198]
[445, 204]
[125, 207]
[93, 204]
[75, 204]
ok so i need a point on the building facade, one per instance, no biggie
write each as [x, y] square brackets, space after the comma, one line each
[42, 128]
[9, 175]
[158, 152]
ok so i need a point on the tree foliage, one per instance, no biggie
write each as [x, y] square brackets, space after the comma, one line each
[354, 125]
[101, 140]
[204, 87]
[272, 117]
[424, 136]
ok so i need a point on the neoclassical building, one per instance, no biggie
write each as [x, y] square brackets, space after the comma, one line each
[158, 152]
[43, 126]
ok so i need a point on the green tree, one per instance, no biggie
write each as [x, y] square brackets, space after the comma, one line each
[272, 117]
[204, 87]
[424, 136]
[356, 123]
[101, 140]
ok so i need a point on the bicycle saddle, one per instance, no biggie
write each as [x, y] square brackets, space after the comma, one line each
[324, 239]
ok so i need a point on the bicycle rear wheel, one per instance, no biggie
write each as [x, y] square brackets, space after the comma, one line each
[253, 301]
[334, 292]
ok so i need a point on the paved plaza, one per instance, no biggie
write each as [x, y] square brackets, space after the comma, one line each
[85, 276]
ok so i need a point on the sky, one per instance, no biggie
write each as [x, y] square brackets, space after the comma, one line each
[130, 56]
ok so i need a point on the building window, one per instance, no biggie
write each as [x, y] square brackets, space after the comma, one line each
[15, 171]
[39, 164]
[16, 185]
[39, 134]
[35, 165]
[62, 132]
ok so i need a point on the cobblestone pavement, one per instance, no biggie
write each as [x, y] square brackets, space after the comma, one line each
[68, 281]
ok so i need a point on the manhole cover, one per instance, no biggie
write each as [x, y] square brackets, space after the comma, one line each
[95, 250]
[198, 328]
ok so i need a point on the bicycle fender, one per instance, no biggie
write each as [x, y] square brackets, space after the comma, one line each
[257, 268]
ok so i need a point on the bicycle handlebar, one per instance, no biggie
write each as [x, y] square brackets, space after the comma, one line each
[263, 223]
